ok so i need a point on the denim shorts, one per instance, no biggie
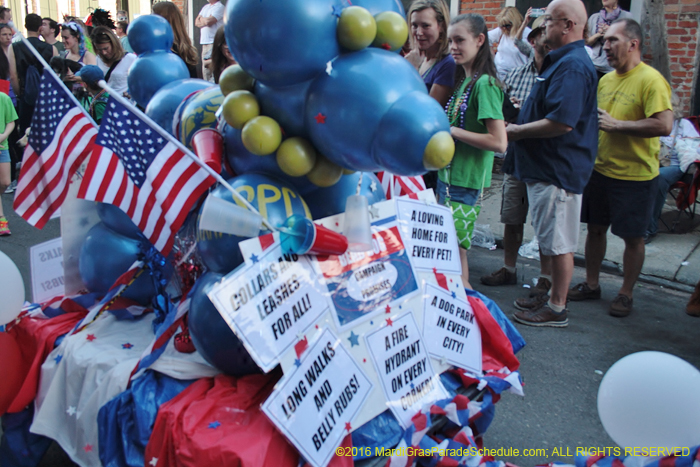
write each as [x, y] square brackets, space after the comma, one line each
[460, 194]
[4, 155]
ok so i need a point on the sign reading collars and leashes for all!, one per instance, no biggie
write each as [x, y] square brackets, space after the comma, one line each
[314, 405]
[269, 303]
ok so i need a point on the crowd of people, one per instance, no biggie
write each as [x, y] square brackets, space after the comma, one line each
[588, 156]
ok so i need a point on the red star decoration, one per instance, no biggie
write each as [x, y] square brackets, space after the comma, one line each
[364, 360]
[386, 46]
[388, 309]
[389, 322]
[88, 448]
[348, 426]
[317, 326]
[127, 346]
[320, 118]
[91, 337]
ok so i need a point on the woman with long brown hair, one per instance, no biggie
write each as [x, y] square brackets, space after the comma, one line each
[182, 46]
[220, 55]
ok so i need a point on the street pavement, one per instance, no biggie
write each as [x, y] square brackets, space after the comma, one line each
[561, 368]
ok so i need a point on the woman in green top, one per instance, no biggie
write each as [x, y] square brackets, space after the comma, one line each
[476, 120]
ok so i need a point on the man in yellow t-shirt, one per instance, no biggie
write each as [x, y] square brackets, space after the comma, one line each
[634, 109]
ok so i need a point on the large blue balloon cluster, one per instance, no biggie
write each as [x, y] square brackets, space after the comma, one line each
[166, 101]
[151, 37]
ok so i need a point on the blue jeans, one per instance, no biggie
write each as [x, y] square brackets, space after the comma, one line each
[460, 194]
[667, 177]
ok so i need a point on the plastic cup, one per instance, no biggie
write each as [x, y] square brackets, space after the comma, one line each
[301, 236]
[208, 144]
[357, 224]
[219, 215]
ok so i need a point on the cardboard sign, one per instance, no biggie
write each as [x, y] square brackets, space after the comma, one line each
[404, 368]
[450, 329]
[269, 302]
[47, 270]
[361, 284]
[314, 405]
[429, 233]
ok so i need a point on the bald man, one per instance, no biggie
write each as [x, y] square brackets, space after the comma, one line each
[555, 144]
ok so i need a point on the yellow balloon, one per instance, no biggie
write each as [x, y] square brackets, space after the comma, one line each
[392, 31]
[296, 156]
[325, 173]
[262, 135]
[233, 78]
[356, 28]
[439, 151]
[239, 107]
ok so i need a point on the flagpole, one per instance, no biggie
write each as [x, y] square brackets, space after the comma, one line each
[182, 147]
[53, 73]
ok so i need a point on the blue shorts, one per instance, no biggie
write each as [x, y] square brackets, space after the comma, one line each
[4, 155]
[460, 194]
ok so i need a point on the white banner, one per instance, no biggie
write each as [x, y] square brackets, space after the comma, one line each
[46, 261]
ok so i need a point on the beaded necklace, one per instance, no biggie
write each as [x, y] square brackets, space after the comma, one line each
[460, 100]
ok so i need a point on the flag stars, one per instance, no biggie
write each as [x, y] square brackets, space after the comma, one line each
[71, 411]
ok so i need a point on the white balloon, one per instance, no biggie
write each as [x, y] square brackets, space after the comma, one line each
[12, 285]
[651, 399]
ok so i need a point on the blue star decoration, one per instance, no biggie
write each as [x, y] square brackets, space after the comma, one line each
[354, 339]
[297, 362]
[253, 258]
[337, 10]
[454, 295]
[413, 386]
[214, 425]
[58, 358]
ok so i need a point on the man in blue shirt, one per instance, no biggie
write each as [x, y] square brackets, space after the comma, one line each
[556, 141]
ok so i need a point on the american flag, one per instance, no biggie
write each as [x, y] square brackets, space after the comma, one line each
[150, 178]
[402, 185]
[61, 137]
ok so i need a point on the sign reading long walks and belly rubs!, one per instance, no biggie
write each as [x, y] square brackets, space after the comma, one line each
[363, 283]
[450, 329]
[268, 303]
[429, 233]
[314, 405]
[404, 368]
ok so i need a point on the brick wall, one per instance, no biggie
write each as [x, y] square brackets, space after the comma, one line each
[682, 26]
[181, 5]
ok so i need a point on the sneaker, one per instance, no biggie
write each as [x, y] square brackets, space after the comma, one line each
[648, 237]
[583, 292]
[4, 228]
[500, 277]
[542, 287]
[621, 306]
[543, 316]
[531, 303]
[11, 187]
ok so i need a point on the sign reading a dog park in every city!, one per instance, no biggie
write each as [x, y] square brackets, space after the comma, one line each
[404, 368]
[450, 329]
[268, 303]
[429, 233]
[314, 405]
[363, 283]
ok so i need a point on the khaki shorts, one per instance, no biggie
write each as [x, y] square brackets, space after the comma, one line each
[514, 204]
[556, 218]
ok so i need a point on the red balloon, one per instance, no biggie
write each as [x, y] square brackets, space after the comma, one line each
[10, 370]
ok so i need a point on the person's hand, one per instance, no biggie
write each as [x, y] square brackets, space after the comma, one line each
[414, 58]
[69, 76]
[516, 102]
[605, 121]
[512, 131]
[527, 15]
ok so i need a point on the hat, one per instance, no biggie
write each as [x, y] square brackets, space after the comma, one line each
[537, 27]
[90, 74]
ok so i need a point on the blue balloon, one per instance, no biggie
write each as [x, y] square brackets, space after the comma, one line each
[401, 138]
[162, 106]
[275, 201]
[379, 6]
[286, 105]
[106, 255]
[324, 202]
[282, 43]
[118, 221]
[210, 334]
[343, 109]
[150, 33]
[153, 70]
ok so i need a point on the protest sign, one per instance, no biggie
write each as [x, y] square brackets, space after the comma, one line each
[429, 233]
[269, 302]
[315, 404]
[404, 368]
[450, 329]
[46, 260]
